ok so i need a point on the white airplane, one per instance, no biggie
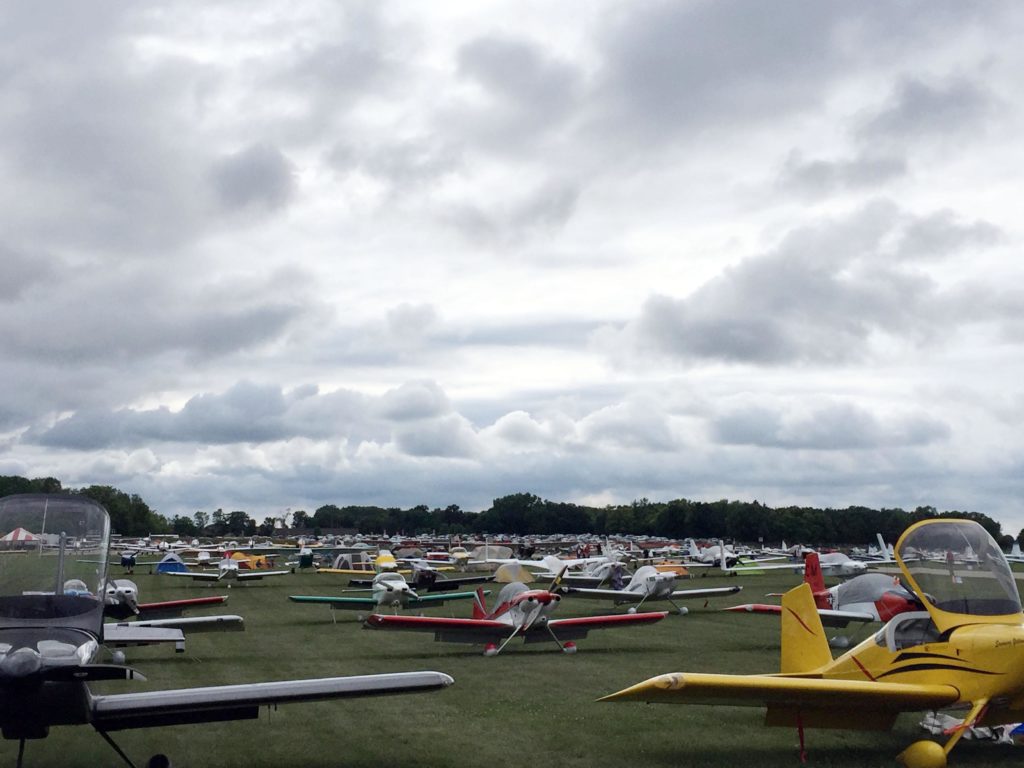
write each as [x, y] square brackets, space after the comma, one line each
[721, 557]
[840, 564]
[227, 570]
[650, 584]
[154, 623]
[1015, 555]
[389, 590]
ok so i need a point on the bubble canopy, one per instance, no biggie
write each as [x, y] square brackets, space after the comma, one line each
[958, 569]
[55, 568]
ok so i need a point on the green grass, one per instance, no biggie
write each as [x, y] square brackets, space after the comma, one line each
[527, 706]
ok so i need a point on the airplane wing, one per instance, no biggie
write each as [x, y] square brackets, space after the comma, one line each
[748, 568]
[829, 617]
[349, 603]
[816, 702]
[124, 634]
[696, 594]
[170, 608]
[257, 575]
[618, 595]
[440, 585]
[195, 575]
[222, 623]
[441, 598]
[448, 630]
[453, 583]
[237, 702]
[575, 628]
[360, 572]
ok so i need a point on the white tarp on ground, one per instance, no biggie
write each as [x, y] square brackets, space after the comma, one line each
[940, 723]
[510, 572]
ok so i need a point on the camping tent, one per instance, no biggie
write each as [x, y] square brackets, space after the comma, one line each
[171, 563]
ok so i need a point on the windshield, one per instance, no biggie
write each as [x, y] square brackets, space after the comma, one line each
[53, 557]
[959, 568]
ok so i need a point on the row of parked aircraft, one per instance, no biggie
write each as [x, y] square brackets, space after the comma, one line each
[953, 635]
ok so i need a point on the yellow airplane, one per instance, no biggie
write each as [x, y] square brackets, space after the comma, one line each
[966, 650]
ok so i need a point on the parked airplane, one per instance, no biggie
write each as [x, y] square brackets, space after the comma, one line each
[426, 579]
[50, 635]
[520, 612]
[650, 584]
[865, 598]
[389, 590]
[227, 570]
[840, 564]
[157, 623]
[725, 560]
[966, 649]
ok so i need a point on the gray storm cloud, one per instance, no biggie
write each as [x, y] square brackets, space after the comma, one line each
[821, 296]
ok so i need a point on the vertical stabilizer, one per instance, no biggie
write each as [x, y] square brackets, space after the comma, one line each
[812, 572]
[883, 550]
[479, 606]
[804, 645]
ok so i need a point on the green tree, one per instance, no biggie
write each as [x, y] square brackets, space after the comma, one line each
[183, 525]
[201, 520]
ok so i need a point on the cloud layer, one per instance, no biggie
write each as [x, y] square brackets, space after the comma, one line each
[266, 257]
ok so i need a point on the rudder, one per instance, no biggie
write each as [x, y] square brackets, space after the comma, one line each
[479, 606]
[812, 572]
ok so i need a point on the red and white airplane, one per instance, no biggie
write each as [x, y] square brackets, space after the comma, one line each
[157, 623]
[520, 612]
[865, 598]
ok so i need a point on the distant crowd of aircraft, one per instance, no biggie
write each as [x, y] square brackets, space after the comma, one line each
[953, 624]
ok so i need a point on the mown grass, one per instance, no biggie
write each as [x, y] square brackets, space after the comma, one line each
[527, 706]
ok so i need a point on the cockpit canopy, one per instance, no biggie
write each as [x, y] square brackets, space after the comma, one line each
[958, 570]
[60, 576]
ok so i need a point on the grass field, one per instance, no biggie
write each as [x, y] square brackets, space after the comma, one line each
[527, 706]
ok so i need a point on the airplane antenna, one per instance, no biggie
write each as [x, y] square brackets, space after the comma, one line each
[42, 533]
[60, 565]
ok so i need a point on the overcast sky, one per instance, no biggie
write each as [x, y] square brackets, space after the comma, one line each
[265, 255]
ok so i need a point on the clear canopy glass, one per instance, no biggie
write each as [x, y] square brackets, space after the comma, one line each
[959, 569]
[53, 557]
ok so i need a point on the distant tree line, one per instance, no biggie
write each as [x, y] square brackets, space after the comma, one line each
[525, 513]
[129, 514]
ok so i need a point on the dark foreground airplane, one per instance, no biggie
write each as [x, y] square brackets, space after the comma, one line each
[51, 630]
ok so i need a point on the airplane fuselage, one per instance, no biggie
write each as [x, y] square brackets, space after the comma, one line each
[979, 660]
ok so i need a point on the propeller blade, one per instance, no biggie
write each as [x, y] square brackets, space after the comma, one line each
[558, 579]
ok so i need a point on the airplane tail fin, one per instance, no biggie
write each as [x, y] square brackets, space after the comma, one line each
[882, 548]
[479, 606]
[804, 645]
[812, 572]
